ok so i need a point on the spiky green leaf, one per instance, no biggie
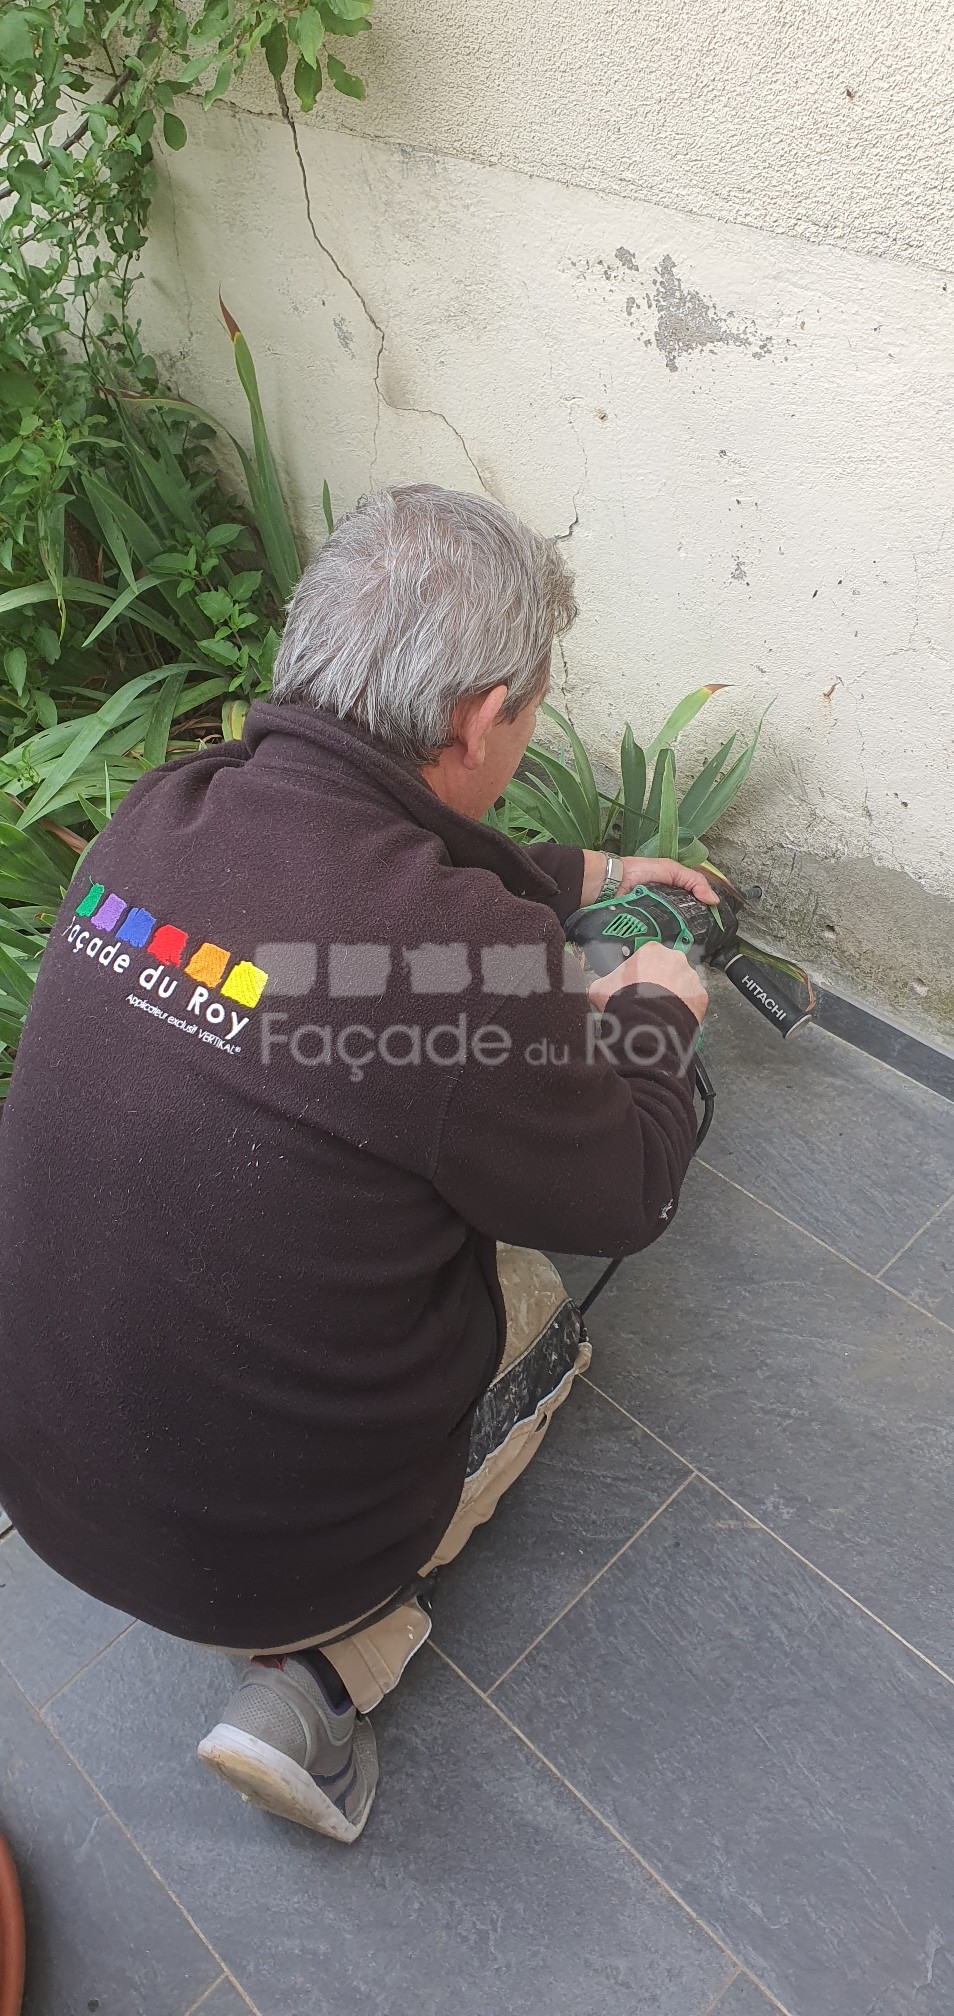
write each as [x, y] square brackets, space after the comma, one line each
[649, 825]
[632, 767]
[718, 800]
[584, 771]
[546, 813]
[162, 712]
[667, 837]
[680, 717]
[699, 790]
[568, 789]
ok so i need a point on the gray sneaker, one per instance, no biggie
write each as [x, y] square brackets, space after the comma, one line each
[282, 1744]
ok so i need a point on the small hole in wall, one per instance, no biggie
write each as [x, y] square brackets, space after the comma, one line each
[829, 931]
[918, 987]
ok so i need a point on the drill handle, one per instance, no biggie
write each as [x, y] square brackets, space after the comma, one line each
[603, 955]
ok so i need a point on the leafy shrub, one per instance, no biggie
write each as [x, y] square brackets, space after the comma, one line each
[85, 86]
[167, 633]
[142, 605]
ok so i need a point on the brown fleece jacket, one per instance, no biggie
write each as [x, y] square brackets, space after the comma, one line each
[250, 1295]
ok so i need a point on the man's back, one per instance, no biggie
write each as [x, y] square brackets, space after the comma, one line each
[249, 1232]
[221, 1307]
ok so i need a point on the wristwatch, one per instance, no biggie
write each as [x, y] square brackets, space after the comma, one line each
[613, 878]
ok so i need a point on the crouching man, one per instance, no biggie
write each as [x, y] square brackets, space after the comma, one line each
[306, 1045]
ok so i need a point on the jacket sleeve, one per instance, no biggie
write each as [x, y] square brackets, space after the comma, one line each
[586, 1151]
[564, 865]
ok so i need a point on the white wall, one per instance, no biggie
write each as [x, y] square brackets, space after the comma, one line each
[669, 344]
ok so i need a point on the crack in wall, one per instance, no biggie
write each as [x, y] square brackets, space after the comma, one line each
[562, 399]
[423, 412]
[563, 538]
[580, 487]
[574, 521]
[562, 684]
[380, 334]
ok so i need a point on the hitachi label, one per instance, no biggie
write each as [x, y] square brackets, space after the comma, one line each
[771, 1006]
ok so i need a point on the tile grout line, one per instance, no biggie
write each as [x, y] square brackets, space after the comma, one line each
[935, 1215]
[711, 2007]
[226, 1973]
[42, 1706]
[193, 2006]
[835, 1251]
[588, 1806]
[721, 1492]
[620, 1551]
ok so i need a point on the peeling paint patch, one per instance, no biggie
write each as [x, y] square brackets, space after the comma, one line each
[686, 321]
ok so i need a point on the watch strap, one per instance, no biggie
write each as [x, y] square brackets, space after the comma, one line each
[612, 878]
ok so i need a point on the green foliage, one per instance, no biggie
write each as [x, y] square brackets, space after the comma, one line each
[85, 90]
[140, 606]
[162, 643]
[556, 797]
[34, 869]
[179, 607]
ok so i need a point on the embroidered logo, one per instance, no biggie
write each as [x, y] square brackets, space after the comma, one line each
[108, 929]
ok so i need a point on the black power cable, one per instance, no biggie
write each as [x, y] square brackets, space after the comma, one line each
[706, 1091]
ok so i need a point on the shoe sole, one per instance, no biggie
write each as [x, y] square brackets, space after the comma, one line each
[276, 1783]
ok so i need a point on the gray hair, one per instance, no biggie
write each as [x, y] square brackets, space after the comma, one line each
[420, 597]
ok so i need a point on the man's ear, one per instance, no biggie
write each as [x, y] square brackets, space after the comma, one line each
[473, 720]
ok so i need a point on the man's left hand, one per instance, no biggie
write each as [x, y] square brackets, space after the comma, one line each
[639, 868]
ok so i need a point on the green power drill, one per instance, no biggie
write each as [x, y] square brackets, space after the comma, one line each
[607, 932]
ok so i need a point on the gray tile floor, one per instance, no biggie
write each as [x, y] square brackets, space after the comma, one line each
[683, 1740]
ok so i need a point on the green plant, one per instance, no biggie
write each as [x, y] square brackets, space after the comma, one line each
[165, 640]
[34, 870]
[556, 797]
[143, 605]
[179, 610]
[84, 84]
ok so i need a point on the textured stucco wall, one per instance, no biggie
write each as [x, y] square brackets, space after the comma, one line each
[825, 119]
[745, 435]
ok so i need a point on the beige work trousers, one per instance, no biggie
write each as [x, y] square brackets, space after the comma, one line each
[546, 1350]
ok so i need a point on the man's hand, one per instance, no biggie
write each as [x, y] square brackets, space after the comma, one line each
[639, 868]
[655, 966]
